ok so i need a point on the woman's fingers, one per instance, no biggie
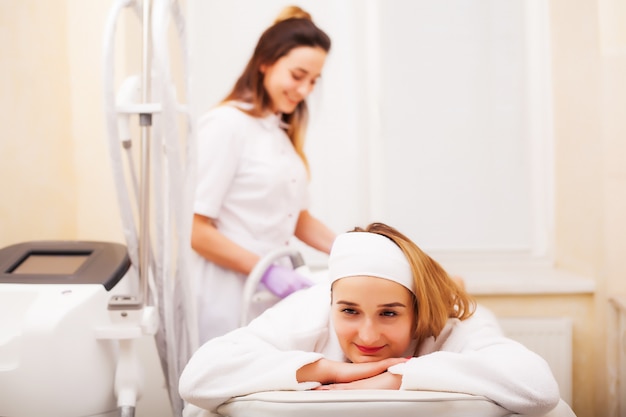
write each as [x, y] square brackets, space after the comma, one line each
[386, 380]
[349, 372]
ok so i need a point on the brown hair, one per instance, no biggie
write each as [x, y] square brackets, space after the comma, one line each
[293, 28]
[437, 297]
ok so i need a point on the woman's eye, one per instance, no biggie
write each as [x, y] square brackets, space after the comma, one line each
[297, 77]
[349, 311]
[389, 313]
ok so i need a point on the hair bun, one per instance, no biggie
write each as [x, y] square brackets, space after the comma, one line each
[292, 12]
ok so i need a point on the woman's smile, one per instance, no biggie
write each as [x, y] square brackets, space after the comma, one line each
[369, 350]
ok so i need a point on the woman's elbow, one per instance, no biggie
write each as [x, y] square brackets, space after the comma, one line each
[537, 402]
[186, 385]
[196, 242]
[200, 226]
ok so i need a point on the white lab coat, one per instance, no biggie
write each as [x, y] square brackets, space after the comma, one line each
[252, 182]
[470, 356]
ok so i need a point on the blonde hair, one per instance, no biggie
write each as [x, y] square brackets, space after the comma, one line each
[292, 12]
[292, 28]
[437, 297]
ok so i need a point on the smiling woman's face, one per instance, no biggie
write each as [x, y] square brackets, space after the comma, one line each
[373, 318]
[292, 77]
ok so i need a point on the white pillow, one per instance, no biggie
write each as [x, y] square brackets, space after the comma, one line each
[360, 403]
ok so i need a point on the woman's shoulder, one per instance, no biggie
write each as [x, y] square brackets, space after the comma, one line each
[230, 111]
[304, 311]
[225, 121]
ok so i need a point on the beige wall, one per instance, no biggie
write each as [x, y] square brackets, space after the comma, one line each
[55, 168]
[590, 123]
[57, 182]
[96, 215]
[39, 192]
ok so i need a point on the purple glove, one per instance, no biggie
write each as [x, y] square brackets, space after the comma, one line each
[282, 281]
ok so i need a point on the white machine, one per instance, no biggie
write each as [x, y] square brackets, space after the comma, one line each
[73, 314]
[156, 212]
[68, 331]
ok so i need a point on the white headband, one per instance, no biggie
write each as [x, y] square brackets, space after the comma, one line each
[369, 254]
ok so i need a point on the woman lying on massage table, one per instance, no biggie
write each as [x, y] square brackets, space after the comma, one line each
[389, 318]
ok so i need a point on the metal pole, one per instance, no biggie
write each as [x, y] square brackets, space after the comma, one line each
[145, 123]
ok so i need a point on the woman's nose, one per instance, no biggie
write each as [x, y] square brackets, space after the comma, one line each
[368, 333]
[304, 90]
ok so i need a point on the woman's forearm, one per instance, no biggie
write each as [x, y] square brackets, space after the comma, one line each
[315, 372]
[207, 241]
[314, 233]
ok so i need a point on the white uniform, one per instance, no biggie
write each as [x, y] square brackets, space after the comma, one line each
[470, 356]
[252, 182]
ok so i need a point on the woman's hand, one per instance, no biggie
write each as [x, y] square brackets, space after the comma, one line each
[331, 372]
[386, 380]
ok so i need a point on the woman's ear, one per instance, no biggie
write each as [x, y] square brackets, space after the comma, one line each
[263, 68]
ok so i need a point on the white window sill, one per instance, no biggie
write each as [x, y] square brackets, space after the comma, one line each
[491, 274]
[520, 279]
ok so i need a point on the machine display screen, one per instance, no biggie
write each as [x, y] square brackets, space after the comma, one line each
[51, 263]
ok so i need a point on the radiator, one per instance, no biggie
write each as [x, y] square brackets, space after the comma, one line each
[549, 337]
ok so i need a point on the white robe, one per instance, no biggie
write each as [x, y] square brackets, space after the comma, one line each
[252, 182]
[470, 356]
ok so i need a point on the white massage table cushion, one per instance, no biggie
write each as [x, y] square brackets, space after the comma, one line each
[361, 403]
